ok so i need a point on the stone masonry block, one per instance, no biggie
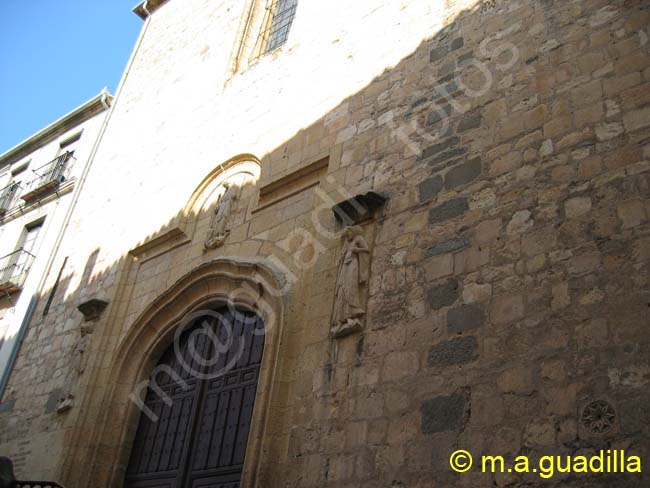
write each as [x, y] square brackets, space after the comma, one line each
[447, 246]
[448, 210]
[465, 317]
[459, 350]
[443, 295]
[463, 174]
[444, 413]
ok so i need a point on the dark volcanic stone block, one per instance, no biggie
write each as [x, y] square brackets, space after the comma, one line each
[459, 350]
[443, 413]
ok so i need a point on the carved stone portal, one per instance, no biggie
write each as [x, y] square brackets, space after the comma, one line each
[219, 226]
[351, 284]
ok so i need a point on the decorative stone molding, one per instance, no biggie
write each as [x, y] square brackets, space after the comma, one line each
[65, 403]
[250, 284]
[598, 417]
[358, 208]
[241, 170]
[92, 309]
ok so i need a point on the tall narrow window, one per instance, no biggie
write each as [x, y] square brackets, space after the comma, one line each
[15, 266]
[283, 12]
[26, 248]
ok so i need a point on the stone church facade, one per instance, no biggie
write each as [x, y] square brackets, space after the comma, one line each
[434, 214]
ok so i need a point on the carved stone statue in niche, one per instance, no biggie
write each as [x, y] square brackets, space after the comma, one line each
[79, 360]
[219, 230]
[81, 349]
[351, 283]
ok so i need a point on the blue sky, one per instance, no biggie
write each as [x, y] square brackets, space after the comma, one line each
[55, 55]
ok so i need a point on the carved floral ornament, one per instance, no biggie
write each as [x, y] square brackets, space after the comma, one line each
[598, 417]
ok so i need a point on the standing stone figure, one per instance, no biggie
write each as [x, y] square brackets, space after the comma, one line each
[81, 349]
[351, 280]
[79, 360]
[219, 230]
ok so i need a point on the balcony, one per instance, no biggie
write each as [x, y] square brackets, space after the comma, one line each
[49, 177]
[8, 196]
[13, 271]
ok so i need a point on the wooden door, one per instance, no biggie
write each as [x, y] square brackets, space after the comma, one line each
[200, 435]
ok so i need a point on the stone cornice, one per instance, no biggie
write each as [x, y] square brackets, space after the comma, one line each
[95, 105]
[147, 7]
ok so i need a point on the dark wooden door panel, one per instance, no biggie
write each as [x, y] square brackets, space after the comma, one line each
[200, 438]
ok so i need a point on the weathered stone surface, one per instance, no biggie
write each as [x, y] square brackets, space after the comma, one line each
[469, 121]
[635, 415]
[459, 350]
[438, 53]
[444, 413]
[448, 210]
[444, 295]
[638, 119]
[446, 157]
[577, 206]
[439, 266]
[447, 246]
[520, 222]
[546, 149]
[457, 43]
[540, 432]
[440, 147]
[439, 113]
[475, 292]
[429, 188]
[465, 317]
[518, 379]
[507, 308]
[608, 131]
[463, 174]
[53, 400]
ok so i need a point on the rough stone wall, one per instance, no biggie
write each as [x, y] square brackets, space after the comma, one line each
[509, 282]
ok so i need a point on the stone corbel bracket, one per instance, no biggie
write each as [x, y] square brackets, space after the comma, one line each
[358, 208]
[92, 309]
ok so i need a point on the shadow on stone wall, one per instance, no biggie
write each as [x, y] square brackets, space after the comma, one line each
[508, 306]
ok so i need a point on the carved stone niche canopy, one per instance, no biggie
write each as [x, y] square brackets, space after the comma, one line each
[92, 309]
[359, 208]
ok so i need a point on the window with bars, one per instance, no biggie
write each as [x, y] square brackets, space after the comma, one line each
[283, 12]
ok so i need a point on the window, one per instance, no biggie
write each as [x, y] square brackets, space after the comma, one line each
[264, 27]
[283, 13]
[69, 144]
[30, 234]
[15, 266]
[20, 168]
[11, 186]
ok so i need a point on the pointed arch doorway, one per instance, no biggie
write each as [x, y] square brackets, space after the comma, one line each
[194, 426]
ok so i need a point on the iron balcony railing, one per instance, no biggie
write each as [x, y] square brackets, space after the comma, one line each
[8, 196]
[49, 177]
[13, 270]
